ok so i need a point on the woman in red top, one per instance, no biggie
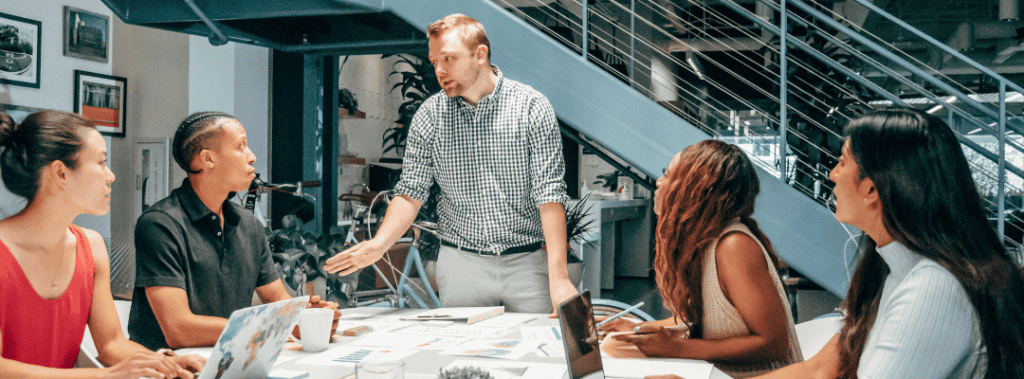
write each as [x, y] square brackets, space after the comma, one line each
[55, 276]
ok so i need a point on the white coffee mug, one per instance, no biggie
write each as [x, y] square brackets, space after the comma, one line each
[315, 328]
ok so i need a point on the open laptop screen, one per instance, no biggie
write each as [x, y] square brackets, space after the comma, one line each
[582, 350]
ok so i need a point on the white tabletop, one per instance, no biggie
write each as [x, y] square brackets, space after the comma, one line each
[423, 363]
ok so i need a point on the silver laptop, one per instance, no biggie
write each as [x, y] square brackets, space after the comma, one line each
[252, 340]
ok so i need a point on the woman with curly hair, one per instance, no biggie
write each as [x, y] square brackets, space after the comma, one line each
[715, 269]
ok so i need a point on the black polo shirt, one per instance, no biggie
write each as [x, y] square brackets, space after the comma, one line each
[179, 243]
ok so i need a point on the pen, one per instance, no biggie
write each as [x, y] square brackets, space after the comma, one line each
[617, 315]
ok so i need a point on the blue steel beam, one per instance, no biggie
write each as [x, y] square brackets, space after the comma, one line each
[637, 129]
[160, 11]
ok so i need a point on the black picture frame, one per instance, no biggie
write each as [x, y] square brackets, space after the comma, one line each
[18, 112]
[20, 41]
[86, 35]
[103, 100]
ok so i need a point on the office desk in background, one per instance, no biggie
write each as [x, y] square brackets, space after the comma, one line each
[619, 244]
[421, 365]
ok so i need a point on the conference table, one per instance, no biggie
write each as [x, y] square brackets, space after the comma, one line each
[423, 364]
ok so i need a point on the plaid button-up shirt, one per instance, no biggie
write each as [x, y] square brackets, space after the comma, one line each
[495, 164]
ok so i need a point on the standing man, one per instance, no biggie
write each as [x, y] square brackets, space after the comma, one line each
[199, 256]
[493, 146]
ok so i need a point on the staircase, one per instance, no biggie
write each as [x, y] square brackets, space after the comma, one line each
[639, 130]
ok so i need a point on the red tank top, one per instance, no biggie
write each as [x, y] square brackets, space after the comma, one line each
[39, 331]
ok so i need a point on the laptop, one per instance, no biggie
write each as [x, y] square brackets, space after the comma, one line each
[252, 340]
[579, 331]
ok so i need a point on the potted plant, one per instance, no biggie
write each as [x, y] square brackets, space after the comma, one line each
[415, 86]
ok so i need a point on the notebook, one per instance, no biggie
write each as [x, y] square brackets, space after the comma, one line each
[252, 340]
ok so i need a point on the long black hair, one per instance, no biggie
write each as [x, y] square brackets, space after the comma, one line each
[931, 205]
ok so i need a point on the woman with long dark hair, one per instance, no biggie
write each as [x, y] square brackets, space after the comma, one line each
[935, 294]
[55, 276]
[715, 269]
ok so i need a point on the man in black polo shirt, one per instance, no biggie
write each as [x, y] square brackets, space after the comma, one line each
[199, 257]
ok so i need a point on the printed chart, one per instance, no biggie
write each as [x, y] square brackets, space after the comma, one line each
[350, 355]
[494, 348]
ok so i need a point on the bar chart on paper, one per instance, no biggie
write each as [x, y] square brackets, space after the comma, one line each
[350, 355]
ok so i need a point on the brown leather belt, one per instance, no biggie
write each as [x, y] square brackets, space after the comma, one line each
[512, 250]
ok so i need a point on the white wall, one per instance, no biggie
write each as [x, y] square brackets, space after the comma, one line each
[156, 64]
[252, 106]
[57, 72]
[211, 73]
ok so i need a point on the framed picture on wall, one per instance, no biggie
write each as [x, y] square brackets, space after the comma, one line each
[19, 50]
[86, 34]
[102, 99]
[18, 112]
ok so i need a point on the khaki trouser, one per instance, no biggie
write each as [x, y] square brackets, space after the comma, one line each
[517, 281]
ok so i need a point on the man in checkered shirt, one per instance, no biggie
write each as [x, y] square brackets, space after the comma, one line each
[494, 148]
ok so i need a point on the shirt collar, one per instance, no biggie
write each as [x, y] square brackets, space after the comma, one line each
[899, 258]
[196, 210]
[487, 98]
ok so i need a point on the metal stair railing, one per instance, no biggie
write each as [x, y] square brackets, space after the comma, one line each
[831, 87]
[962, 103]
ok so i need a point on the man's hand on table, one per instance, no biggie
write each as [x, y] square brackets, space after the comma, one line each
[561, 290]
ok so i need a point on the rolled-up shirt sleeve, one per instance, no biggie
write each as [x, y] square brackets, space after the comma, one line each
[418, 163]
[547, 165]
[158, 256]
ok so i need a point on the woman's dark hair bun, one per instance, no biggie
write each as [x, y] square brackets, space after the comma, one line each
[7, 128]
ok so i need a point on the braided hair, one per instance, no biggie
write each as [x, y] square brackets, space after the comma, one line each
[41, 138]
[195, 134]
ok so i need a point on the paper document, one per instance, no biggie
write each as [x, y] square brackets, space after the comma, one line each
[514, 370]
[551, 349]
[639, 368]
[377, 325]
[408, 341]
[542, 333]
[505, 321]
[350, 355]
[494, 348]
[456, 330]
